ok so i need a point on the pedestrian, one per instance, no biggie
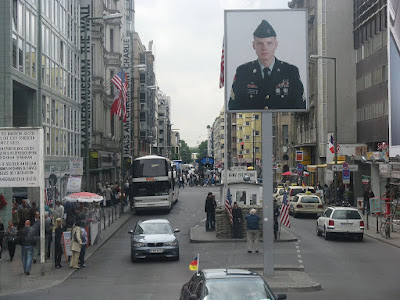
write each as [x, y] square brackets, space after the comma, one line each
[11, 239]
[59, 229]
[48, 225]
[76, 245]
[32, 212]
[24, 215]
[210, 210]
[267, 82]
[327, 194]
[367, 195]
[59, 211]
[253, 233]
[15, 214]
[276, 215]
[237, 217]
[27, 238]
[84, 237]
[1, 236]
[36, 229]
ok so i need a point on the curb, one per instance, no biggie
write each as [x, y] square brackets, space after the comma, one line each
[386, 241]
[60, 281]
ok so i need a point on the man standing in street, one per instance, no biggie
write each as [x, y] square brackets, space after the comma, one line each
[27, 240]
[237, 221]
[367, 194]
[253, 232]
[210, 210]
[76, 245]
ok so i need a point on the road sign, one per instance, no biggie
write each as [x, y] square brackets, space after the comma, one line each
[299, 155]
[365, 179]
[346, 176]
[339, 168]
[300, 167]
[345, 166]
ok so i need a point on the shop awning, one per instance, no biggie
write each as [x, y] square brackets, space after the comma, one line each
[339, 162]
[313, 168]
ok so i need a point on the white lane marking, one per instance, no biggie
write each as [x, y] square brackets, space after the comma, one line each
[298, 251]
[298, 255]
[204, 220]
[300, 262]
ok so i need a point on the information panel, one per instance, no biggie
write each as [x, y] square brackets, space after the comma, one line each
[21, 157]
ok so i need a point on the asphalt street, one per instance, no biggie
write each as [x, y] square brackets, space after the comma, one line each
[346, 269]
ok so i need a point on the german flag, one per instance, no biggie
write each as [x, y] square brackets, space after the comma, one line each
[193, 265]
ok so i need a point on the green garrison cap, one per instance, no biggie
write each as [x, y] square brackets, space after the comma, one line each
[264, 30]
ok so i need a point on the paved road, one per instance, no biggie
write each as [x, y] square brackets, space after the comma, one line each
[346, 269]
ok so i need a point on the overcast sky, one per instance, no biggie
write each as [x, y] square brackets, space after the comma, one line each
[187, 37]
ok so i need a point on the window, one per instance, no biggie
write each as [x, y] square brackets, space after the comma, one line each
[285, 134]
[112, 72]
[111, 40]
[142, 116]
[246, 123]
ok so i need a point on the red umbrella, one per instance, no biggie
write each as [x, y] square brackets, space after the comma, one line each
[288, 173]
[84, 197]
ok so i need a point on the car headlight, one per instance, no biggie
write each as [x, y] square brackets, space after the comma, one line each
[174, 243]
[138, 245]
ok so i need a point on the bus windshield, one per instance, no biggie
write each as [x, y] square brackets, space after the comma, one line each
[154, 188]
[149, 168]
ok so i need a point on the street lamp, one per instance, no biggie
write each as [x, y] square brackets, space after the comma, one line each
[313, 56]
[87, 133]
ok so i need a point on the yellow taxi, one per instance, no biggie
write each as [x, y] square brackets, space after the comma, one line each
[306, 203]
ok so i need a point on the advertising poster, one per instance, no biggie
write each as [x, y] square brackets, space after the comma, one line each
[266, 60]
[67, 244]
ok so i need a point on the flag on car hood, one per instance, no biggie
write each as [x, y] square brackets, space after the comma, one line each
[193, 265]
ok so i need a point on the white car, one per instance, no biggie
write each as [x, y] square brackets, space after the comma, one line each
[306, 204]
[277, 193]
[343, 221]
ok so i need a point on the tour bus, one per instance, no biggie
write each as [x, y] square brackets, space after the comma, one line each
[154, 183]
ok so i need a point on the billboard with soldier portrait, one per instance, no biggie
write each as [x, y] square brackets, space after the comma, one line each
[266, 60]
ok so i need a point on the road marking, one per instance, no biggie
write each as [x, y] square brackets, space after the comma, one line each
[300, 261]
[298, 251]
[204, 220]
[298, 255]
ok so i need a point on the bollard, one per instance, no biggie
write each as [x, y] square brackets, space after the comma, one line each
[109, 219]
[104, 217]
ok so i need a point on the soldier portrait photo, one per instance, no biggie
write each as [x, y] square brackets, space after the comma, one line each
[267, 83]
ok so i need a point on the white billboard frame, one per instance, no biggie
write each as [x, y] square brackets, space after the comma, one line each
[393, 44]
[238, 39]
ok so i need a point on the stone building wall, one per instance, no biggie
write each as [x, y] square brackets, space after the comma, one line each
[223, 227]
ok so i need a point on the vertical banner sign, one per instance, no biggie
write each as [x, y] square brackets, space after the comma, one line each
[393, 24]
[86, 65]
[126, 66]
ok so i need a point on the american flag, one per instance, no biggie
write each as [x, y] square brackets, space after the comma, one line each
[285, 219]
[46, 197]
[120, 103]
[222, 76]
[228, 205]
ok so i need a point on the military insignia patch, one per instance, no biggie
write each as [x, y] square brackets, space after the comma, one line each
[255, 71]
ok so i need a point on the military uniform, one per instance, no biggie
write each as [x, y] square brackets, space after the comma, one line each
[282, 89]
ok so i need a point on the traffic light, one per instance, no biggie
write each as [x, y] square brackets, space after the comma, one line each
[242, 145]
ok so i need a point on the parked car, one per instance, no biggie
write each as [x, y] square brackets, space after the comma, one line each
[227, 284]
[307, 203]
[154, 238]
[340, 221]
[278, 192]
[294, 190]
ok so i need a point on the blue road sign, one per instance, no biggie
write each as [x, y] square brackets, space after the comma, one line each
[300, 167]
[346, 176]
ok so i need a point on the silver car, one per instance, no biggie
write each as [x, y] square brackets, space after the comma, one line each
[154, 238]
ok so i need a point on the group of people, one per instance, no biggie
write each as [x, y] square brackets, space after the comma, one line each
[252, 222]
[112, 193]
[24, 230]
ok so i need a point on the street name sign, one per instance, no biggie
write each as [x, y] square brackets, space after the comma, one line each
[339, 168]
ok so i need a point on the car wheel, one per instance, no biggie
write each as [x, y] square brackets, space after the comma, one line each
[326, 234]
[133, 259]
[295, 215]
[319, 232]
[360, 237]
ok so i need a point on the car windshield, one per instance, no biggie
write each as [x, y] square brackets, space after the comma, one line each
[236, 289]
[346, 214]
[309, 200]
[153, 228]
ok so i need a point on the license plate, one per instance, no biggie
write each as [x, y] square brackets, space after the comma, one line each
[346, 224]
[156, 250]
[309, 206]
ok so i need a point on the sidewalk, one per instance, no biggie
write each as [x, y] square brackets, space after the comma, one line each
[14, 281]
[373, 231]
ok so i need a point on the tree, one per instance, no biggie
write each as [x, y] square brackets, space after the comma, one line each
[186, 154]
[202, 149]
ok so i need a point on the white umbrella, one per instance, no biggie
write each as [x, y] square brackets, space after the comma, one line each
[84, 197]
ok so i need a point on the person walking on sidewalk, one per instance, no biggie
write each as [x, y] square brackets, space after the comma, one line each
[210, 210]
[84, 237]
[27, 238]
[237, 217]
[59, 229]
[1, 236]
[76, 245]
[253, 233]
[11, 239]
[367, 194]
